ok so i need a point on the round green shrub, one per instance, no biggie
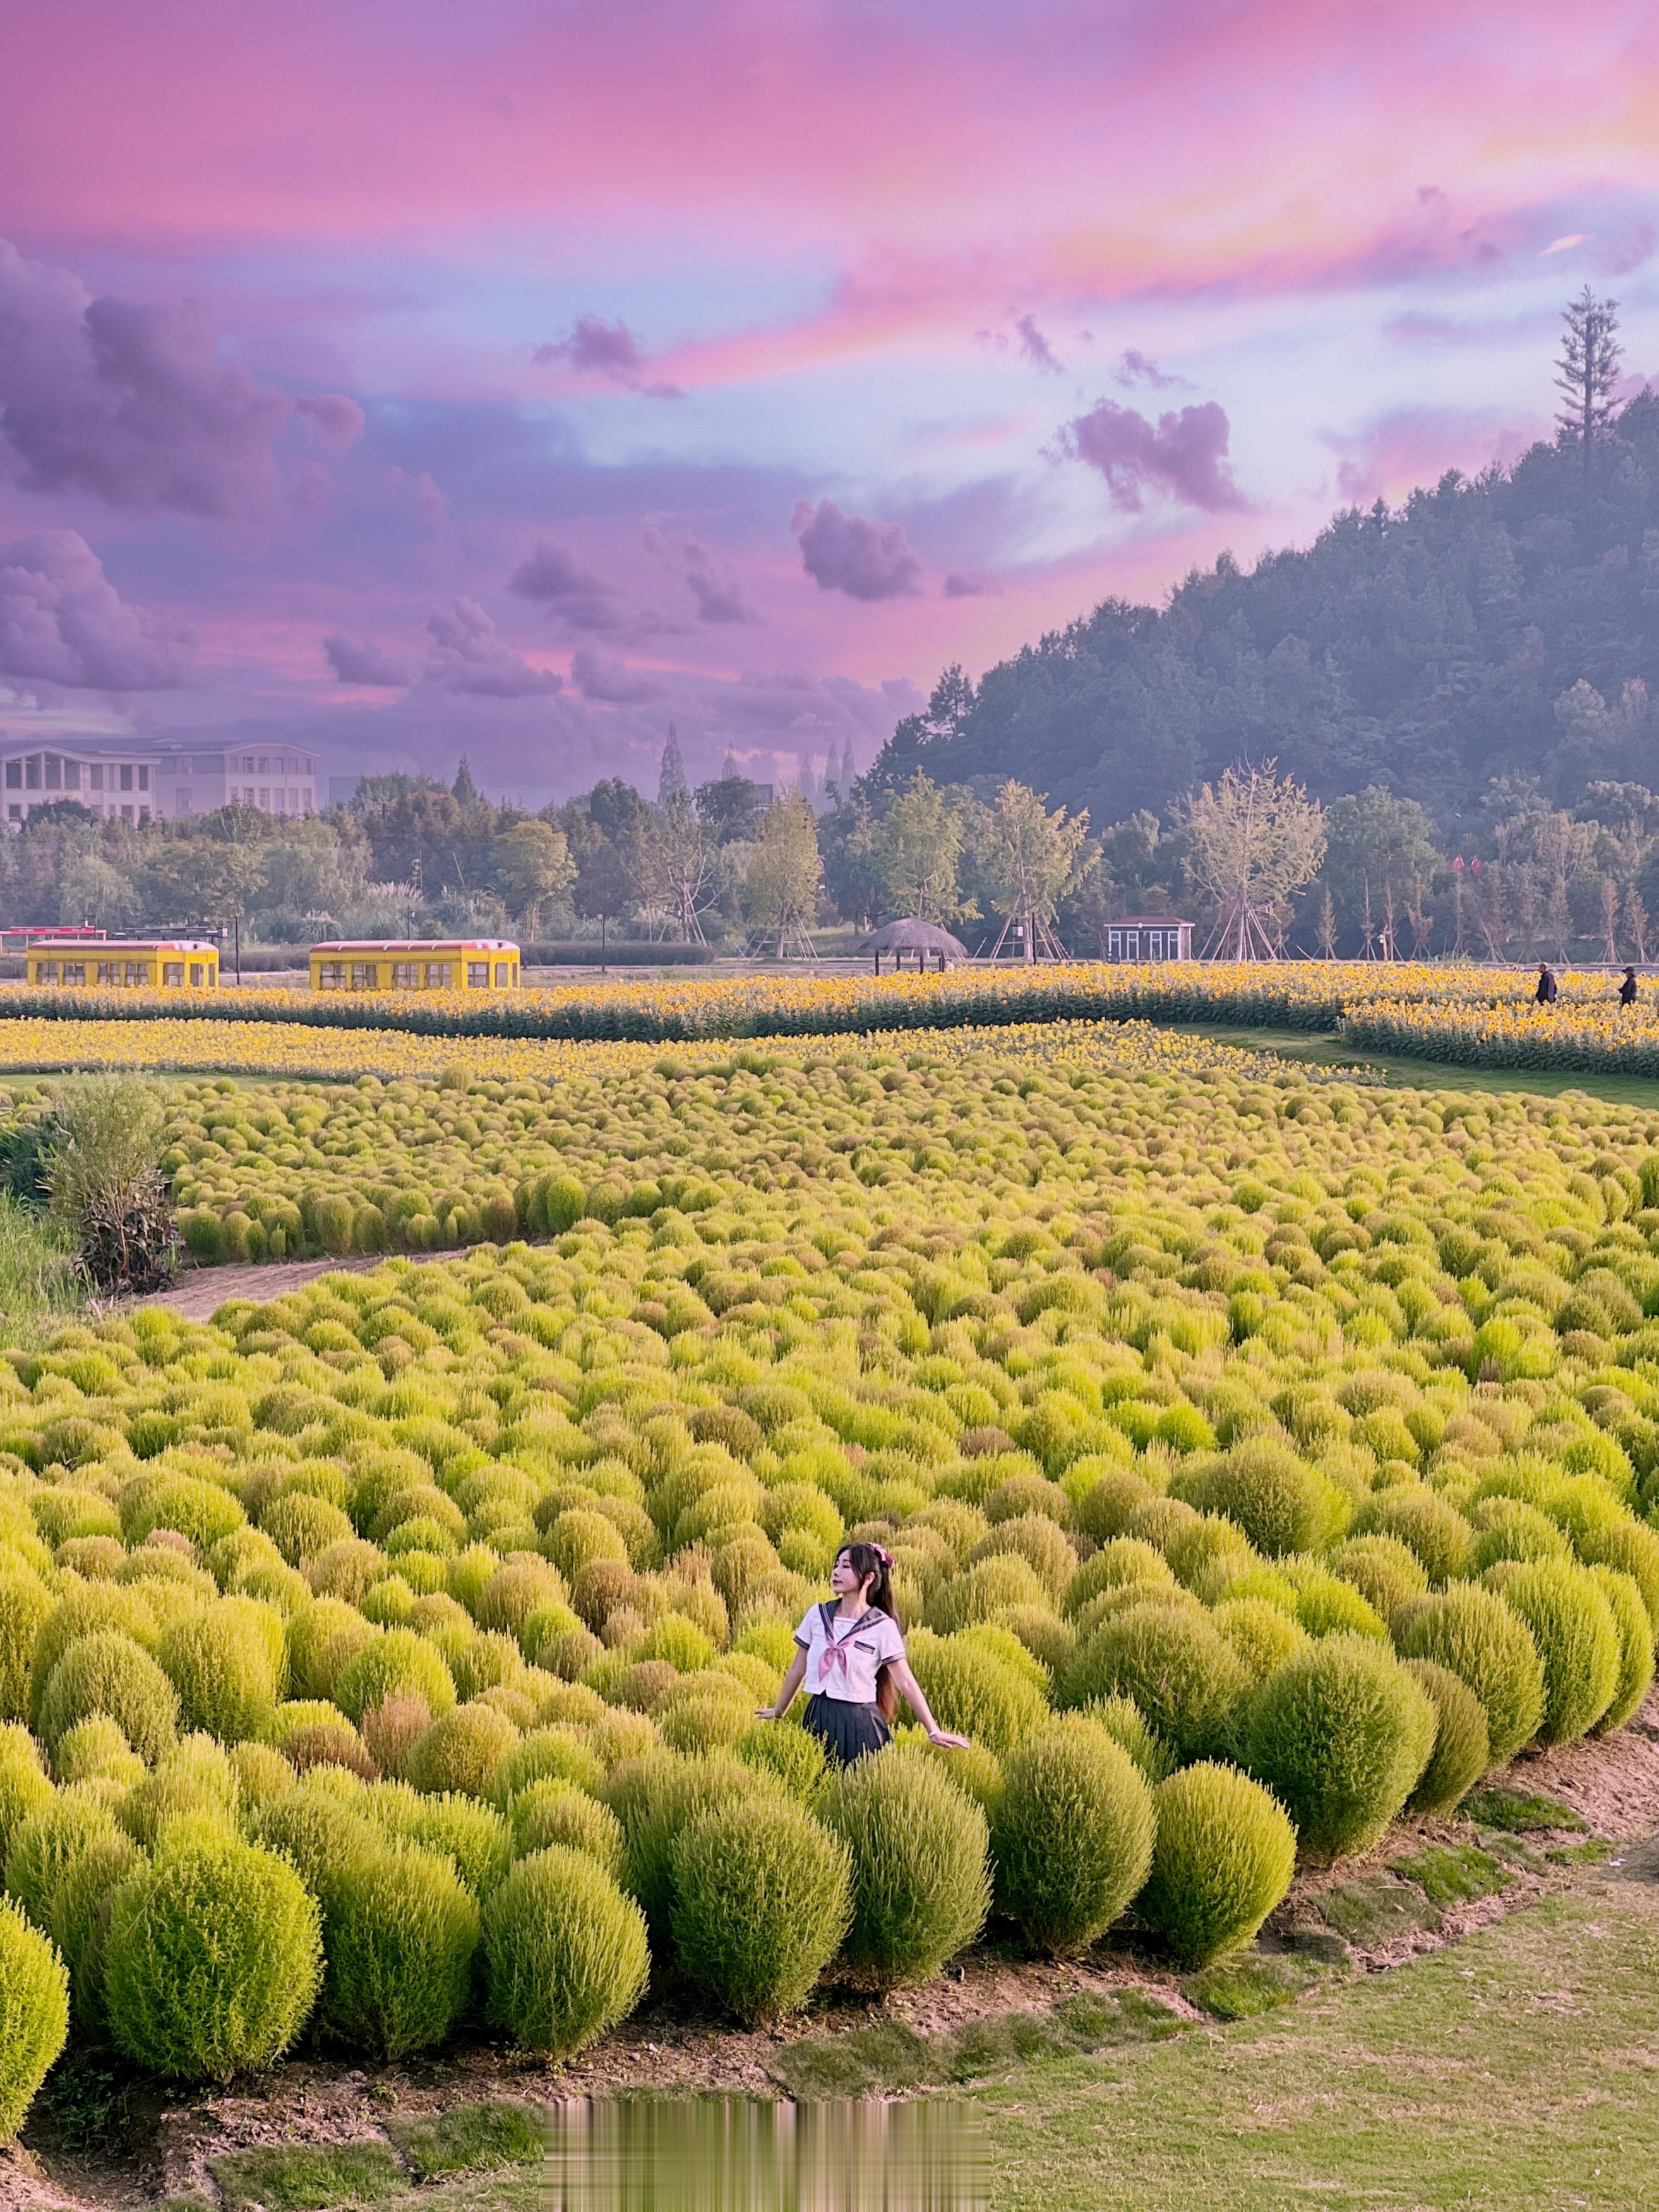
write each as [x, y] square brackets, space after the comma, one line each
[565, 1951]
[44, 1843]
[1463, 1749]
[1633, 1549]
[24, 1783]
[1176, 1666]
[792, 1754]
[1476, 1636]
[554, 1812]
[655, 1797]
[1341, 1735]
[1035, 1538]
[985, 1590]
[1509, 1529]
[473, 1838]
[213, 1958]
[97, 1746]
[182, 1503]
[1263, 1639]
[314, 1827]
[1281, 1504]
[921, 1882]
[1129, 1727]
[221, 1663]
[1387, 1573]
[33, 2015]
[324, 1636]
[1072, 1834]
[1578, 1639]
[558, 1754]
[1635, 1646]
[108, 1673]
[80, 1916]
[24, 1606]
[974, 1693]
[1435, 1533]
[763, 1895]
[394, 1664]
[464, 1750]
[1225, 1855]
[401, 1931]
[1328, 1606]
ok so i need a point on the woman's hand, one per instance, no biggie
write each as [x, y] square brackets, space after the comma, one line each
[765, 1713]
[946, 1740]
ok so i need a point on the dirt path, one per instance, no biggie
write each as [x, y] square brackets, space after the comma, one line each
[198, 1294]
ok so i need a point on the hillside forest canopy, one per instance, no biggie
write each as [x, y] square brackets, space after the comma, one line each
[1455, 702]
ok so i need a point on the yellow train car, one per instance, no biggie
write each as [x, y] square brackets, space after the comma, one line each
[130, 963]
[474, 963]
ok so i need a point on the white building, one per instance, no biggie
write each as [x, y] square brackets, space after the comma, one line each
[137, 780]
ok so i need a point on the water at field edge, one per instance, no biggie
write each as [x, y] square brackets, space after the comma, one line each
[751, 2154]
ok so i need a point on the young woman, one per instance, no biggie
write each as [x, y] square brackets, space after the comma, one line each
[851, 1657]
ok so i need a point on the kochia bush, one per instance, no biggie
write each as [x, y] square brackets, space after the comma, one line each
[213, 1958]
[565, 1951]
[33, 2015]
[1223, 1857]
[1341, 1735]
[401, 1932]
[1072, 1834]
[763, 1895]
[921, 1882]
[1578, 1639]
[1475, 1634]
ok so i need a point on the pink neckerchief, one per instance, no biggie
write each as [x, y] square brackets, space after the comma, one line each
[834, 1655]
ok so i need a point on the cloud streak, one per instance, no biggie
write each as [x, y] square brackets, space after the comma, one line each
[469, 656]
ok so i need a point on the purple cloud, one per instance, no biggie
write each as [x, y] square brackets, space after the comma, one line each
[558, 580]
[717, 592]
[62, 622]
[596, 348]
[357, 661]
[1185, 455]
[599, 676]
[971, 584]
[1036, 348]
[467, 655]
[843, 553]
[1135, 367]
[331, 418]
[127, 401]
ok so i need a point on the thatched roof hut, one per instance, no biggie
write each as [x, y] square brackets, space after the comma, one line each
[923, 939]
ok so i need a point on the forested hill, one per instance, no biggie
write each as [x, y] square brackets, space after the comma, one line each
[1429, 648]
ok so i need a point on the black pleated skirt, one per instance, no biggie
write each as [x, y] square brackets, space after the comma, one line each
[847, 1732]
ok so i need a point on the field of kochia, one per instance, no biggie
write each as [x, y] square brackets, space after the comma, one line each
[1261, 1457]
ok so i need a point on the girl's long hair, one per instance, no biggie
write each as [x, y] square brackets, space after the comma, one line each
[870, 1560]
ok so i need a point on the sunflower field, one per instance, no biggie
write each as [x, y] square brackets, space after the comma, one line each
[1263, 1457]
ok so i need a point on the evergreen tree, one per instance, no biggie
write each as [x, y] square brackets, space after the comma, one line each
[670, 777]
[464, 791]
[1587, 371]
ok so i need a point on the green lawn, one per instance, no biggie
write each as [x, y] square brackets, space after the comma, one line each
[1517, 2071]
[1325, 1049]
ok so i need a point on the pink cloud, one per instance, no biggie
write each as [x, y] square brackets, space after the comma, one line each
[1184, 455]
[468, 656]
[844, 553]
[62, 622]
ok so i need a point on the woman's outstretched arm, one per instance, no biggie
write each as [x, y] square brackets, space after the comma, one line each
[910, 1690]
[792, 1682]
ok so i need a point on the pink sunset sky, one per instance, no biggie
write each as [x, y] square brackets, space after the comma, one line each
[509, 378]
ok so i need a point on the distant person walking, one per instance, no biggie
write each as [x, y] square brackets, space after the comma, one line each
[1627, 988]
[1545, 994]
